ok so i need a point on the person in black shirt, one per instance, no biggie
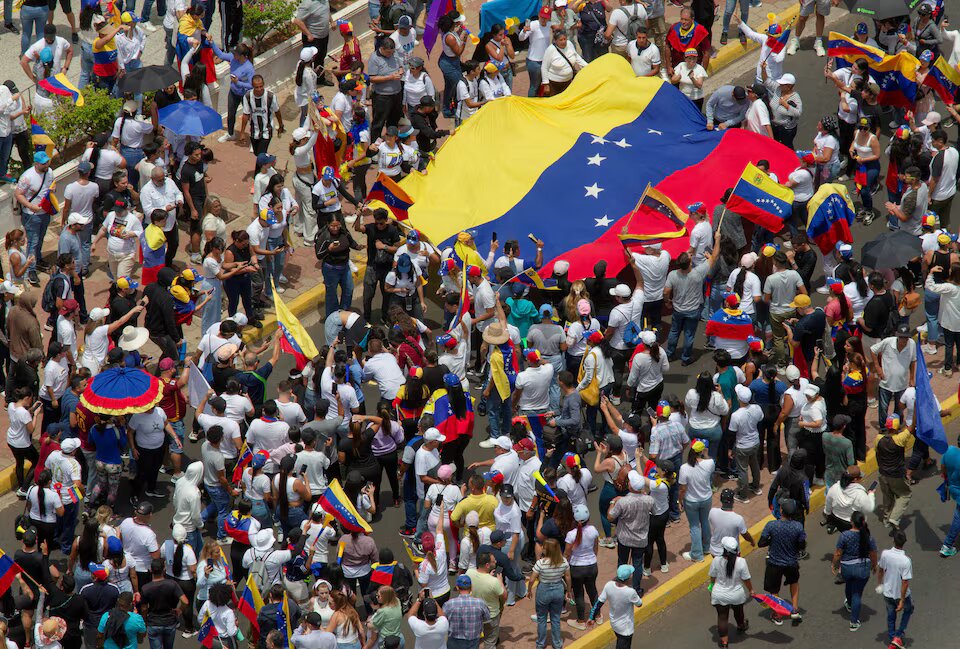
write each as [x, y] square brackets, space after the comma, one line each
[122, 298]
[120, 190]
[333, 250]
[874, 323]
[433, 373]
[162, 602]
[804, 259]
[193, 181]
[164, 331]
[806, 330]
[37, 572]
[599, 287]
[424, 119]
[67, 604]
[383, 240]
[253, 378]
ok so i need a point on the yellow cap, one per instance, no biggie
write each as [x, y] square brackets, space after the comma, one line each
[800, 302]
[491, 68]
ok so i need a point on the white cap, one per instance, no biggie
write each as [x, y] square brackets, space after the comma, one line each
[240, 318]
[99, 314]
[729, 544]
[620, 290]
[433, 435]
[787, 80]
[560, 3]
[10, 288]
[473, 519]
[503, 442]
[131, 106]
[300, 133]
[308, 54]
[179, 533]
[811, 390]
[461, 19]
[70, 444]
[793, 373]
[636, 481]
[648, 337]
[748, 260]
[933, 117]
[743, 393]
[78, 219]
[561, 266]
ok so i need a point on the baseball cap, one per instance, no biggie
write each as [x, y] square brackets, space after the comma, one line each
[493, 476]
[787, 80]
[84, 167]
[581, 514]
[166, 364]
[70, 444]
[497, 536]
[793, 373]
[620, 290]
[464, 582]
[41, 157]
[127, 282]
[433, 435]
[800, 302]
[502, 442]
[739, 92]
[405, 21]
[300, 133]
[506, 491]
[525, 444]
[226, 351]
[743, 393]
[532, 356]
[624, 572]
[259, 459]
[265, 159]
[9, 288]
[862, 29]
[903, 331]
[546, 310]
[474, 271]
[636, 481]
[729, 544]
[545, 12]
[726, 496]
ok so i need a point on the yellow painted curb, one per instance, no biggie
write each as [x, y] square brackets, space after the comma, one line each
[300, 305]
[696, 575]
[733, 51]
[8, 477]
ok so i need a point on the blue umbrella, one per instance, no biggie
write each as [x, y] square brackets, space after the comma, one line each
[190, 118]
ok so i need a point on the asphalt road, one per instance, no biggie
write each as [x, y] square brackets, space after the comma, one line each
[692, 621]
[923, 528]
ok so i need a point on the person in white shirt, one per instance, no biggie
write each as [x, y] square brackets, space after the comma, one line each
[538, 34]
[162, 193]
[744, 422]
[381, 367]
[623, 599]
[416, 84]
[943, 175]
[405, 39]
[492, 84]
[560, 64]
[122, 230]
[629, 309]
[430, 632]
[894, 574]
[644, 55]
[757, 119]
[654, 264]
[128, 132]
[532, 392]
[60, 48]
[469, 99]
[618, 25]
[689, 76]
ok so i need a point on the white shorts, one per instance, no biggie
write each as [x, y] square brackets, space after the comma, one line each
[822, 7]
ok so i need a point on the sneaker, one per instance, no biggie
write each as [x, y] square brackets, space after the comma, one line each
[665, 568]
[943, 371]
[407, 532]
[226, 137]
[33, 278]
[846, 605]
[176, 477]
[533, 617]
[22, 495]
[743, 39]
[149, 27]
[164, 470]
[576, 624]
[188, 634]
[872, 402]
[608, 542]
[195, 258]
[615, 400]
[757, 492]
[723, 39]
[134, 500]
[74, 38]
[281, 290]
[487, 443]
[796, 616]
[868, 218]
[897, 642]
[823, 290]
[646, 572]
[818, 48]
[511, 601]
[793, 46]
[194, 436]
[843, 178]
[224, 541]
[776, 619]
[741, 499]
[10, 27]
[688, 557]
[929, 348]
[854, 626]
[283, 279]
[946, 551]
[804, 555]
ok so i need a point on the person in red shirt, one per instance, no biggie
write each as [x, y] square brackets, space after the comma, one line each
[174, 405]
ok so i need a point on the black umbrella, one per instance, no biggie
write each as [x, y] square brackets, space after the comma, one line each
[881, 9]
[891, 250]
[149, 78]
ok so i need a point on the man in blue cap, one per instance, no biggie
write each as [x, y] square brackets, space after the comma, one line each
[623, 598]
[32, 188]
[467, 615]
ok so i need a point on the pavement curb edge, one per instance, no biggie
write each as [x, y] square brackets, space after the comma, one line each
[734, 51]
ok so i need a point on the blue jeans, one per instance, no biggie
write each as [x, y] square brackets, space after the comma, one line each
[687, 323]
[866, 194]
[219, 503]
[931, 309]
[276, 262]
[607, 493]
[549, 602]
[32, 20]
[855, 578]
[335, 277]
[450, 67]
[499, 414]
[195, 541]
[559, 365]
[260, 511]
[893, 631]
[66, 525]
[884, 398]
[697, 516]
[213, 309]
[35, 226]
[409, 502]
[728, 13]
[954, 530]
[295, 516]
[161, 637]
[373, 9]
[133, 156]
[6, 147]
[630, 555]
[533, 69]
[711, 435]
[457, 643]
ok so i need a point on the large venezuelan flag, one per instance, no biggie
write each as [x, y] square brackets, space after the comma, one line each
[582, 165]
[944, 79]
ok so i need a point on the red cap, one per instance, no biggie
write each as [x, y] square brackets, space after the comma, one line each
[533, 356]
[474, 271]
[595, 338]
[732, 300]
[545, 12]
[525, 444]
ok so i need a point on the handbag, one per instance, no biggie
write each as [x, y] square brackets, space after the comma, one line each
[590, 394]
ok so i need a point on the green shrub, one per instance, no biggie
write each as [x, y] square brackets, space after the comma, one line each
[261, 19]
[67, 124]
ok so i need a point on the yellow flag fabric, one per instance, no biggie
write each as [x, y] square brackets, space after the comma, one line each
[499, 373]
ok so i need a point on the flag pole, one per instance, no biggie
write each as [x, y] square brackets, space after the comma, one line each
[626, 227]
[724, 212]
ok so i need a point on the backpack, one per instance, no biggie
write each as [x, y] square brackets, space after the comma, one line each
[631, 334]
[634, 22]
[621, 481]
[49, 300]
[258, 570]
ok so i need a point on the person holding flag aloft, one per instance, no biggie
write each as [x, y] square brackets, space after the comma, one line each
[771, 46]
[731, 327]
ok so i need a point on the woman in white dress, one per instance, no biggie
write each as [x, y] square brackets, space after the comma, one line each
[730, 587]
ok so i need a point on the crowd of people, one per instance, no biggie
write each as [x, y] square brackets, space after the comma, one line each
[563, 389]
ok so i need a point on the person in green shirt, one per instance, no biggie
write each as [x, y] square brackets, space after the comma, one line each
[837, 449]
[122, 625]
[385, 623]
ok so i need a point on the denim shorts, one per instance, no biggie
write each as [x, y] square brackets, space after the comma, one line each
[178, 428]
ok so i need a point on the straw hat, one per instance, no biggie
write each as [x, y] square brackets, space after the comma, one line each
[133, 338]
[495, 334]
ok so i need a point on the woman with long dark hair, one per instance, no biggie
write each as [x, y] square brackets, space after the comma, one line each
[826, 149]
[387, 439]
[220, 608]
[181, 566]
[85, 550]
[355, 453]
[609, 460]
[730, 588]
[791, 482]
[214, 274]
[458, 422]
[854, 560]
[345, 623]
[855, 378]
[839, 310]
[596, 368]
[238, 287]
[411, 398]
[705, 408]
[45, 506]
[452, 43]
[696, 494]
[289, 493]
[647, 368]
[660, 485]
[549, 581]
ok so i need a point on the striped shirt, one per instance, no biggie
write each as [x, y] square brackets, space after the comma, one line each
[550, 573]
[260, 111]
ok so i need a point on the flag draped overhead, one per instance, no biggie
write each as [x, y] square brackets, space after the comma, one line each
[895, 74]
[295, 341]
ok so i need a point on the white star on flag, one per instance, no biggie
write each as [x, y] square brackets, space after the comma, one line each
[622, 143]
[595, 159]
[593, 190]
[598, 139]
[603, 222]
[653, 131]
